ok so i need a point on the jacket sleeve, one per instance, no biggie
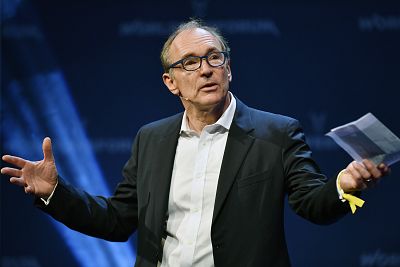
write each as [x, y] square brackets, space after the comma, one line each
[114, 218]
[311, 195]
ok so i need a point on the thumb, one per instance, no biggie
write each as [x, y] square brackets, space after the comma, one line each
[47, 150]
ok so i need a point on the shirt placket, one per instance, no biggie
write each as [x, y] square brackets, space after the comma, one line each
[196, 198]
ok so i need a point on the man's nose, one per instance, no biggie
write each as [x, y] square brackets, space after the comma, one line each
[205, 68]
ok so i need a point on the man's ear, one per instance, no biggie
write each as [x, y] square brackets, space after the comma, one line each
[169, 81]
[228, 68]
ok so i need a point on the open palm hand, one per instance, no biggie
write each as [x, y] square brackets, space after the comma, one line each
[37, 177]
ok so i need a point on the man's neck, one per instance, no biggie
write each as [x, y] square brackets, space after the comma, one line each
[197, 119]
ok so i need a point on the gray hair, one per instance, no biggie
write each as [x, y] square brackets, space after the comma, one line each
[192, 24]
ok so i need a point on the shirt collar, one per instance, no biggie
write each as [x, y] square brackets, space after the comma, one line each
[225, 120]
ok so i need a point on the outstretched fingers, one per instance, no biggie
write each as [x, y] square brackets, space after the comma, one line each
[18, 181]
[11, 172]
[16, 176]
[17, 161]
[47, 150]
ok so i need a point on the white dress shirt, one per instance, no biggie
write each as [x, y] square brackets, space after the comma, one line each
[192, 193]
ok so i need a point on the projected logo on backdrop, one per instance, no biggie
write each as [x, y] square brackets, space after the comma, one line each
[380, 258]
[199, 9]
[379, 23]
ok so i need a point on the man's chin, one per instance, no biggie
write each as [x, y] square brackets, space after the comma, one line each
[213, 100]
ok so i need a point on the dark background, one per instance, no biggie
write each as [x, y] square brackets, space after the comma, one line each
[88, 75]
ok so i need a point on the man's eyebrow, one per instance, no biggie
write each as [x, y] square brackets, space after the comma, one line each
[191, 54]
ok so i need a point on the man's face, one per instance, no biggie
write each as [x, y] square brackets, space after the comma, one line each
[205, 87]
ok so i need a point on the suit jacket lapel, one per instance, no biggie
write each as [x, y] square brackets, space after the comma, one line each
[238, 143]
[164, 157]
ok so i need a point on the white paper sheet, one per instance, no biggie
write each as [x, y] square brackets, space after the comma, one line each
[368, 138]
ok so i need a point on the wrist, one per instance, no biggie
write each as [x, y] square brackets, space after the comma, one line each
[46, 199]
[353, 201]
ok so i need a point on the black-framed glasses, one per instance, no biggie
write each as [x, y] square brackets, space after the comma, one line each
[192, 63]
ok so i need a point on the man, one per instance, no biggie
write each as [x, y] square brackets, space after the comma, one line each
[205, 187]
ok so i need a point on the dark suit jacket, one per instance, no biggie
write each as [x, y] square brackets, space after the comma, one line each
[265, 158]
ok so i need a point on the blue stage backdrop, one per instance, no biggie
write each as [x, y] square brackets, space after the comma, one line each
[87, 74]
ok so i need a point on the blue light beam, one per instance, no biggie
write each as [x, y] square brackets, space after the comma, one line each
[53, 103]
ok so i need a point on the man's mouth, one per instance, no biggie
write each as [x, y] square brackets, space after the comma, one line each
[209, 87]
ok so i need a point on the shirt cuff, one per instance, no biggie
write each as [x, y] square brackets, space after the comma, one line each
[47, 201]
[339, 189]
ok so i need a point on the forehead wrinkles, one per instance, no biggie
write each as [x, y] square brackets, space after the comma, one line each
[192, 42]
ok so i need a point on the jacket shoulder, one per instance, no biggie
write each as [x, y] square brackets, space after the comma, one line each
[266, 123]
[163, 126]
[260, 116]
[251, 118]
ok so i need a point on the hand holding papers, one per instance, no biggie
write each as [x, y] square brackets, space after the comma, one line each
[365, 138]
[368, 138]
